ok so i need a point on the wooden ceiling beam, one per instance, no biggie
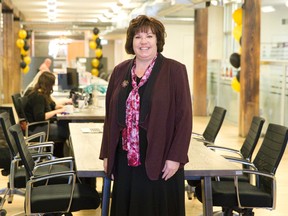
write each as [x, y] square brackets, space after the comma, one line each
[7, 6]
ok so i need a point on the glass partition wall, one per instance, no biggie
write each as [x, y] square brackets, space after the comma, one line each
[274, 91]
[273, 75]
[220, 72]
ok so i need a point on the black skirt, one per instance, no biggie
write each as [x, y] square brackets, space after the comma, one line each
[134, 194]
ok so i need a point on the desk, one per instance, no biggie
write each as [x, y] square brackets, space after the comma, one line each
[203, 162]
[206, 163]
[86, 151]
[93, 114]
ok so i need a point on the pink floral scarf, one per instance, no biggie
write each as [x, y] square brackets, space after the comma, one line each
[130, 134]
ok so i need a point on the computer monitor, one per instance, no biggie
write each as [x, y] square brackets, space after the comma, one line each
[68, 80]
[72, 78]
[62, 82]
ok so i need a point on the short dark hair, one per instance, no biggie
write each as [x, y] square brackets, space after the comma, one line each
[143, 23]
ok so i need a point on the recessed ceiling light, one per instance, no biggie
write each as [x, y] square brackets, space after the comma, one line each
[214, 2]
[267, 9]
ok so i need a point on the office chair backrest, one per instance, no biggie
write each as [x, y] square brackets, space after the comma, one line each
[6, 124]
[214, 124]
[252, 137]
[271, 151]
[23, 102]
[15, 100]
[25, 155]
[9, 110]
[5, 153]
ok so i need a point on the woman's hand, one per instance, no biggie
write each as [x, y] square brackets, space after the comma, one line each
[105, 164]
[52, 113]
[60, 110]
[170, 168]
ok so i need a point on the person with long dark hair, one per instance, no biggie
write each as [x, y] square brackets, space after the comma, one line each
[40, 107]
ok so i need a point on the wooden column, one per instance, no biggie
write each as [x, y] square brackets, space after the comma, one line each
[250, 64]
[8, 54]
[200, 62]
[17, 76]
[1, 58]
[11, 53]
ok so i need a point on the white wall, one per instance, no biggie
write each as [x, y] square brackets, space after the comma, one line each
[272, 29]
[215, 33]
[179, 45]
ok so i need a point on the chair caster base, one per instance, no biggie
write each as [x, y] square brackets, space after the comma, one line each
[3, 212]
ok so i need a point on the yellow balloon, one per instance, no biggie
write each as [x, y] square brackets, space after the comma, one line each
[98, 52]
[24, 52]
[92, 44]
[237, 16]
[235, 84]
[94, 37]
[240, 50]
[237, 32]
[27, 60]
[95, 72]
[20, 43]
[95, 62]
[22, 34]
[26, 69]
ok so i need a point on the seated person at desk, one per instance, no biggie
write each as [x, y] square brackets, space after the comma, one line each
[40, 107]
[45, 66]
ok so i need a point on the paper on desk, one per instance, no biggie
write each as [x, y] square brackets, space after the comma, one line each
[92, 130]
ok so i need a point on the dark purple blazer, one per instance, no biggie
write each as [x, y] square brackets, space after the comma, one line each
[165, 113]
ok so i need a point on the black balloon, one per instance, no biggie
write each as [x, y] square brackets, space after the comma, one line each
[29, 33]
[26, 46]
[96, 31]
[238, 76]
[100, 66]
[235, 60]
[98, 41]
[23, 65]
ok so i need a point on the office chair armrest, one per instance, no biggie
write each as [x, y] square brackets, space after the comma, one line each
[34, 179]
[257, 173]
[36, 156]
[40, 135]
[39, 123]
[42, 156]
[44, 124]
[222, 148]
[64, 160]
[241, 161]
[47, 147]
[197, 135]
[22, 119]
[203, 141]
[32, 183]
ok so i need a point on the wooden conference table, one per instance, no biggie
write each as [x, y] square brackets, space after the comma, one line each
[87, 114]
[203, 163]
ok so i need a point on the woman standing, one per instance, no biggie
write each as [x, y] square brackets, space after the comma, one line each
[148, 126]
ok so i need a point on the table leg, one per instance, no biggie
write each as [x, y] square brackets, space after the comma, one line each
[106, 197]
[207, 196]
